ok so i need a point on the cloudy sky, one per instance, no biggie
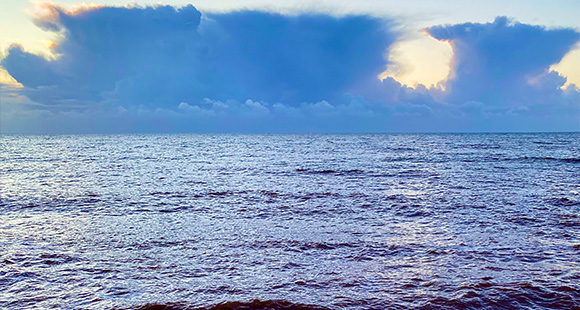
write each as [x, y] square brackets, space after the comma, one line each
[264, 66]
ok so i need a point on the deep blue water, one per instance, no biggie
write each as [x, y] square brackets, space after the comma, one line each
[427, 221]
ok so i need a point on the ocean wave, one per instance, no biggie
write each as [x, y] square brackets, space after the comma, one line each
[256, 304]
[482, 295]
[572, 160]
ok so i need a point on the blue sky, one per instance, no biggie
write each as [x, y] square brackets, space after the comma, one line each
[273, 67]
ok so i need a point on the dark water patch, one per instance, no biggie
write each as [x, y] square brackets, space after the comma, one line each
[35, 261]
[96, 271]
[38, 206]
[184, 208]
[179, 196]
[161, 194]
[330, 171]
[57, 259]
[495, 158]
[173, 306]
[402, 159]
[195, 182]
[273, 196]
[343, 302]
[220, 194]
[439, 251]
[410, 210]
[563, 202]
[158, 244]
[569, 220]
[169, 194]
[524, 295]
[480, 146]
[526, 255]
[299, 246]
[402, 149]
[29, 206]
[525, 220]
[350, 172]
[83, 201]
[270, 194]
[118, 291]
[308, 196]
[532, 257]
[368, 250]
[573, 160]
[360, 250]
[545, 142]
[236, 305]
[413, 173]
[397, 198]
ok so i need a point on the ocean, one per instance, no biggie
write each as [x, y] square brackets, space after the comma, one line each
[378, 221]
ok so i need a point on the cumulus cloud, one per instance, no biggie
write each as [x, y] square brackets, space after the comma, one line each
[164, 68]
[500, 80]
[504, 63]
[163, 55]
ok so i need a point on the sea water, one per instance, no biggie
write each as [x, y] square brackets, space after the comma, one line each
[393, 221]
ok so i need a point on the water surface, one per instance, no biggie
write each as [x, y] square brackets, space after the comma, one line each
[450, 221]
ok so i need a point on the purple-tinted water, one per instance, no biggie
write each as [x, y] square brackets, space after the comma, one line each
[453, 221]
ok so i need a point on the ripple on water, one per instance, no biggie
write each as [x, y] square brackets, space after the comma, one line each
[301, 222]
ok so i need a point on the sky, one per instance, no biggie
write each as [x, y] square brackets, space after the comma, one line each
[263, 66]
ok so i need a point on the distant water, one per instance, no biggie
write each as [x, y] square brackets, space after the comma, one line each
[451, 221]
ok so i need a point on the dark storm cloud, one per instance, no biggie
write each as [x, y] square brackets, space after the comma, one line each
[161, 56]
[296, 58]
